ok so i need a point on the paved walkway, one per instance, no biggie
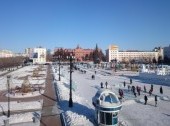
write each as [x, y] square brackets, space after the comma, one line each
[50, 113]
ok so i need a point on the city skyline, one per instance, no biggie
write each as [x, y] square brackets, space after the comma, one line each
[139, 25]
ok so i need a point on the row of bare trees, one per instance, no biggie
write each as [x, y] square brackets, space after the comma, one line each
[62, 53]
[10, 62]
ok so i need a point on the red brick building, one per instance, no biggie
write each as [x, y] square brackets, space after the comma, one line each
[81, 53]
[78, 52]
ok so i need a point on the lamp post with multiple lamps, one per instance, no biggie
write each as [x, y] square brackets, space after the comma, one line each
[71, 57]
[59, 59]
[8, 86]
[115, 64]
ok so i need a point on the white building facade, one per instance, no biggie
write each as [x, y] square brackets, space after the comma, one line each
[6, 53]
[113, 53]
[38, 55]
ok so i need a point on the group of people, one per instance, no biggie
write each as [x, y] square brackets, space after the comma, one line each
[101, 84]
[146, 99]
[138, 89]
[150, 92]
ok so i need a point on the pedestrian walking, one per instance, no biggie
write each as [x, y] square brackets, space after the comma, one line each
[138, 90]
[144, 88]
[156, 100]
[106, 84]
[128, 87]
[152, 87]
[93, 77]
[146, 99]
[130, 81]
[121, 93]
[133, 89]
[124, 83]
[135, 94]
[161, 90]
[101, 84]
[150, 92]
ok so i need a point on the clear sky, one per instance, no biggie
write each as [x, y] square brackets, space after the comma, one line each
[130, 24]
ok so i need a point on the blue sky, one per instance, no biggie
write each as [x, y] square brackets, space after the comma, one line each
[130, 24]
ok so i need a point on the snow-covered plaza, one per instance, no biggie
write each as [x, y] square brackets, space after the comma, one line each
[133, 112]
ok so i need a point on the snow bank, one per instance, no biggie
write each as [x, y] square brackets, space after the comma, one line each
[15, 106]
[21, 73]
[25, 95]
[81, 113]
[18, 118]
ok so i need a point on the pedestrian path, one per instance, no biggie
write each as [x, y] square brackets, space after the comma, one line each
[50, 115]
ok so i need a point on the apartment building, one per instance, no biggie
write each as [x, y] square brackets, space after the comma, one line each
[38, 55]
[113, 53]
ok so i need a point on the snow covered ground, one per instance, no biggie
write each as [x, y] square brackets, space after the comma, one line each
[133, 113]
[18, 76]
[30, 110]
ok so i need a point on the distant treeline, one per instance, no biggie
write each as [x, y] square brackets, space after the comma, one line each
[10, 62]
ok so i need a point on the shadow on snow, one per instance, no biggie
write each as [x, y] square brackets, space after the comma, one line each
[79, 109]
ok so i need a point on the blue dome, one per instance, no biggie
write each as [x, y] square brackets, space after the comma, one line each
[106, 98]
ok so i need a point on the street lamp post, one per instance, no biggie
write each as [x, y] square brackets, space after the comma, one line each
[59, 58]
[71, 70]
[59, 70]
[115, 64]
[59, 67]
[8, 85]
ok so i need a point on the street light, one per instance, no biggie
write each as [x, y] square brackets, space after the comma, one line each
[59, 57]
[115, 64]
[71, 70]
[8, 86]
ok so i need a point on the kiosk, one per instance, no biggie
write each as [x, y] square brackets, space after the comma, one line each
[107, 106]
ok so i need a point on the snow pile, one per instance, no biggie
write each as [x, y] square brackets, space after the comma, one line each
[15, 106]
[3, 83]
[2, 72]
[18, 118]
[165, 98]
[77, 114]
[81, 113]
[18, 76]
[75, 119]
[25, 95]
